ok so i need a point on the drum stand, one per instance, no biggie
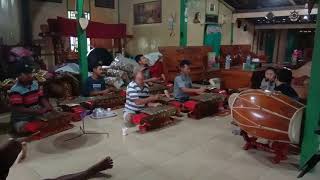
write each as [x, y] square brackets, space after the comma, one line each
[84, 132]
[280, 150]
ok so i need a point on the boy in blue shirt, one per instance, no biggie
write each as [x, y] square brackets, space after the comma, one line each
[95, 85]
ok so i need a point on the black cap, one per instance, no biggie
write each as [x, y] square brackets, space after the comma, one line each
[284, 75]
[97, 64]
[138, 58]
[185, 62]
[24, 66]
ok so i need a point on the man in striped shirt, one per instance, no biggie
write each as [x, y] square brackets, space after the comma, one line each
[137, 98]
[27, 101]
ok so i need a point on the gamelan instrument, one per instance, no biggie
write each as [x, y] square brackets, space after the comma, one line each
[200, 106]
[113, 100]
[154, 117]
[55, 122]
[206, 104]
[271, 116]
[159, 88]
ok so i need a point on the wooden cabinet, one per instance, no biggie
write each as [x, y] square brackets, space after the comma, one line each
[233, 78]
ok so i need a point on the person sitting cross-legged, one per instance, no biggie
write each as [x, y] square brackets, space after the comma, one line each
[95, 85]
[27, 101]
[137, 98]
[183, 83]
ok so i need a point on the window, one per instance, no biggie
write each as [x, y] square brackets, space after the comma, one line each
[74, 40]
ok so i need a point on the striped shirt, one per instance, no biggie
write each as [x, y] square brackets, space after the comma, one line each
[134, 92]
[26, 96]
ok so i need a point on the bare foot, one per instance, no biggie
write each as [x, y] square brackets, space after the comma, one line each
[166, 92]
[105, 164]
[23, 154]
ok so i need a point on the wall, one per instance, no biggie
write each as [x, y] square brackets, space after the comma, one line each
[243, 37]
[9, 22]
[196, 31]
[41, 11]
[225, 17]
[147, 38]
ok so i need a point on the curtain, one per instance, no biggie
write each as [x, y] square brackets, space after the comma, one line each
[212, 38]
[269, 47]
[291, 45]
[68, 27]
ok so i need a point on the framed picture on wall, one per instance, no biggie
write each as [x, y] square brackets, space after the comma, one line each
[211, 8]
[147, 13]
[56, 1]
[105, 3]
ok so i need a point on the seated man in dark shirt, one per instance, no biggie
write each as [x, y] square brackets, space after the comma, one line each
[95, 85]
[27, 101]
[183, 83]
[283, 81]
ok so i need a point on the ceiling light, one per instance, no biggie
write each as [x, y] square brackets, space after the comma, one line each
[305, 17]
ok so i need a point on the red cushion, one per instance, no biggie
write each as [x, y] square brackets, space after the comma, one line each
[190, 105]
[34, 126]
[123, 93]
[136, 119]
[176, 104]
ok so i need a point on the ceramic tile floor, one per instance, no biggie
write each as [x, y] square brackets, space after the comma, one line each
[189, 150]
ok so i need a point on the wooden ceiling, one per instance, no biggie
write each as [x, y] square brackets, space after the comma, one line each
[241, 5]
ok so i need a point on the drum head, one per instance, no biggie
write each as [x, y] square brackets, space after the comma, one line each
[295, 127]
[231, 99]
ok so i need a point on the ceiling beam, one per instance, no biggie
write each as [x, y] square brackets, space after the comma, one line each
[272, 9]
[256, 14]
[292, 2]
[286, 26]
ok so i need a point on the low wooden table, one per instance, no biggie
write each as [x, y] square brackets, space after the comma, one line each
[233, 78]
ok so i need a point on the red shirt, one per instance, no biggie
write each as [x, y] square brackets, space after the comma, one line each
[157, 69]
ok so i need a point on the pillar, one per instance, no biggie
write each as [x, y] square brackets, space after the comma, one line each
[183, 23]
[310, 142]
[82, 45]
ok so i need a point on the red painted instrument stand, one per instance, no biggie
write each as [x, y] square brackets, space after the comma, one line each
[146, 125]
[280, 150]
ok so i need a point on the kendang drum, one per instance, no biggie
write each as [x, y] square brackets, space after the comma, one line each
[271, 116]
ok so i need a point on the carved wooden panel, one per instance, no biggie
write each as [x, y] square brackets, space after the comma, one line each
[239, 54]
[172, 56]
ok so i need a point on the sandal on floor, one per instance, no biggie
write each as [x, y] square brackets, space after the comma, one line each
[223, 113]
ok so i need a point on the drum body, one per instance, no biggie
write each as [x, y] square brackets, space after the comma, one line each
[267, 115]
